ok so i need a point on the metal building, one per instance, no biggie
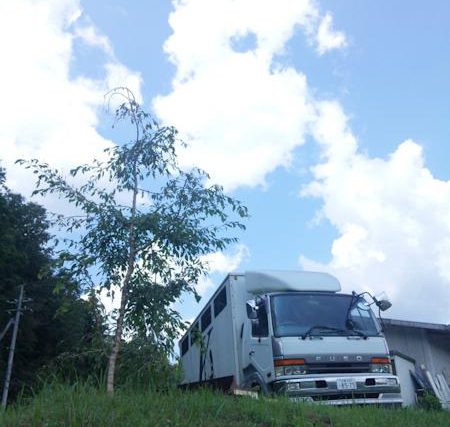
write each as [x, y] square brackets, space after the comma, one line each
[417, 344]
[427, 343]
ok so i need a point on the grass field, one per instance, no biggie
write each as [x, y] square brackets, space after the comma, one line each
[85, 406]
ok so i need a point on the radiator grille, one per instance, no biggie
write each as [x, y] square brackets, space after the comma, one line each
[338, 368]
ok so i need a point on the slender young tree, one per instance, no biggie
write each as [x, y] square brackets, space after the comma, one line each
[151, 247]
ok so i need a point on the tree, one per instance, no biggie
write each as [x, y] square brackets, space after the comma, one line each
[52, 323]
[2, 177]
[151, 248]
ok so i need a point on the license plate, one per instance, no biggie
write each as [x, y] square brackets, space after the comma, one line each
[302, 399]
[346, 383]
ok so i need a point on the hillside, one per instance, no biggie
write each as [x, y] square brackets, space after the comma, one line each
[85, 406]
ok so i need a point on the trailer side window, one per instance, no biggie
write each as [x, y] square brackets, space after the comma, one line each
[220, 302]
[260, 327]
[194, 332]
[184, 346]
[206, 319]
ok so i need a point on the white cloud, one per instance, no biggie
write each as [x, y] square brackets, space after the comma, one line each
[90, 35]
[242, 112]
[328, 39]
[46, 112]
[222, 263]
[393, 219]
[118, 75]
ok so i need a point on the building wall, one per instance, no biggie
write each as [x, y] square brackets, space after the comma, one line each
[427, 347]
[408, 391]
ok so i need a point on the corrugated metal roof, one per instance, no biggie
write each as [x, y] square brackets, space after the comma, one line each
[422, 325]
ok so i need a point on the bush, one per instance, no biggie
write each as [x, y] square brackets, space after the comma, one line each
[144, 365]
[429, 402]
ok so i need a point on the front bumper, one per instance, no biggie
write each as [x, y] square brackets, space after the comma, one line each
[370, 389]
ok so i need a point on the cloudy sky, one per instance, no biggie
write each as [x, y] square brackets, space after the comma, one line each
[329, 120]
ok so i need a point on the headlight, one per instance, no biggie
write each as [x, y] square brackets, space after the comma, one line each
[381, 365]
[290, 367]
[386, 381]
[292, 386]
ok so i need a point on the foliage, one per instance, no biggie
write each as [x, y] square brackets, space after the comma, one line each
[52, 323]
[23, 227]
[86, 358]
[150, 248]
[2, 177]
[80, 405]
[429, 402]
[144, 366]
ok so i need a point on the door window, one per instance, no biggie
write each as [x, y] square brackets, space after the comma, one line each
[260, 326]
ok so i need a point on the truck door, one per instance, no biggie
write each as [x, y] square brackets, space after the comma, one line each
[257, 347]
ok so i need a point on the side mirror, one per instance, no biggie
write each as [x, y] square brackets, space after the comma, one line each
[251, 310]
[383, 304]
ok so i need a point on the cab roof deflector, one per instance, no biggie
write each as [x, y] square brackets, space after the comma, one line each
[265, 281]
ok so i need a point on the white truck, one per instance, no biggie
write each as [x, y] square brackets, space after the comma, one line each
[290, 333]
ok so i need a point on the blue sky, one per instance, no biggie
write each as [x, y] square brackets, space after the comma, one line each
[329, 120]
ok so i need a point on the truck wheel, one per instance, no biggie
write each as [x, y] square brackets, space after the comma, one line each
[254, 383]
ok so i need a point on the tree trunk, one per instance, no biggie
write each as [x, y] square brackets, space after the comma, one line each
[130, 268]
[124, 297]
[119, 325]
[117, 337]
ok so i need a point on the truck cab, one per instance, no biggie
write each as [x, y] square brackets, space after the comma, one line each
[304, 339]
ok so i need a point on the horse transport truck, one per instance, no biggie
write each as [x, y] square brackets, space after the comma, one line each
[291, 333]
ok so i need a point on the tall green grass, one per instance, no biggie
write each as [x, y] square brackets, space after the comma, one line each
[82, 405]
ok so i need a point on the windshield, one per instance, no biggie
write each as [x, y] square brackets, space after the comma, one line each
[321, 314]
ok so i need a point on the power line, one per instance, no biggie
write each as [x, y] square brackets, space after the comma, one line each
[10, 323]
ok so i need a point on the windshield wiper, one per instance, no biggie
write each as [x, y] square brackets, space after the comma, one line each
[358, 332]
[325, 328]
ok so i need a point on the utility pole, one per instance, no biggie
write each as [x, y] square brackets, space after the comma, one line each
[12, 349]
